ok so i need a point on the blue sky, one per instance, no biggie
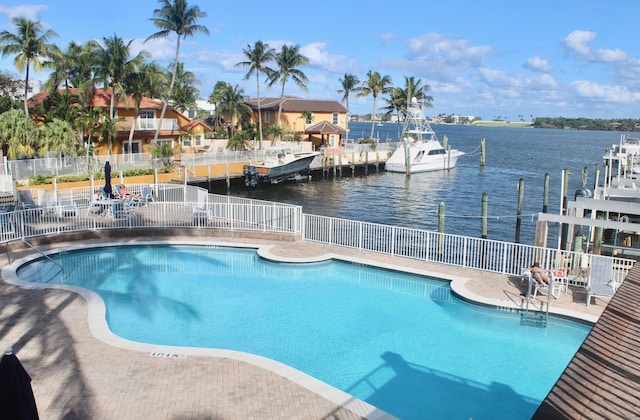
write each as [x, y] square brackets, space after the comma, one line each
[513, 59]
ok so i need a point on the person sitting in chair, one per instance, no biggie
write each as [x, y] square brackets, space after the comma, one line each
[540, 274]
[124, 193]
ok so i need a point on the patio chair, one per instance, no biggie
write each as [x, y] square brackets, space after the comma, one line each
[554, 288]
[147, 195]
[600, 282]
[26, 201]
[121, 210]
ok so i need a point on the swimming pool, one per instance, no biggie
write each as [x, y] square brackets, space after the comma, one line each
[400, 342]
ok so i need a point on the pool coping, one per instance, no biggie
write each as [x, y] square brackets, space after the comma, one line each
[96, 310]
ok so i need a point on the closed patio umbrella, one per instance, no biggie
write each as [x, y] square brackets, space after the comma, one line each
[107, 179]
[16, 396]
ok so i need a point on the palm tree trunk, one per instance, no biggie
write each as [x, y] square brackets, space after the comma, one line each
[109, 137]
[26, 88]
[259, 109]
[281, 101]
[133, 128]
[166, 99]
[373, 120]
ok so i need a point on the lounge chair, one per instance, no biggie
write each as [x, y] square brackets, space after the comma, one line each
[600, 282]
[26, 201]
[147, 195]
[537, 285]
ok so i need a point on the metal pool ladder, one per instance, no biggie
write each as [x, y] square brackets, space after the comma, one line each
[533, 317]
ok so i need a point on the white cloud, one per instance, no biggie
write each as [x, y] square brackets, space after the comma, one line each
[609, 56]
[577, 41]
[592, 90]
[450, 50]
[319, 57]
[30, 11]
[161, 49]
[538, 64]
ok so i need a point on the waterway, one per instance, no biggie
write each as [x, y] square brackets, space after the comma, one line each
[512, 154]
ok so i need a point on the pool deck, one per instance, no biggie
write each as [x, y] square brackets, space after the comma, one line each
[79, 370]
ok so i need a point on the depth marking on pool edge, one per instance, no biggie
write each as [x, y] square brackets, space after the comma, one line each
[167, 355]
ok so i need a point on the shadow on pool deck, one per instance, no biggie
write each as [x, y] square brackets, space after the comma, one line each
[75, 375]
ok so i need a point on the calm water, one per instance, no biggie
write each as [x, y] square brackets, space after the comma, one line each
[400, 342]
[512, 154]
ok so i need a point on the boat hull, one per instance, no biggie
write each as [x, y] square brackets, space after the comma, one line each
[418, 162]
[295, 168]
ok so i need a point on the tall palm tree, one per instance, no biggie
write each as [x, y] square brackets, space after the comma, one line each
[233, 103]
[349, 84]
[175, 16]
[257, 56]
[29, 43]
[115, 66]
[374, 85]
[288, 61]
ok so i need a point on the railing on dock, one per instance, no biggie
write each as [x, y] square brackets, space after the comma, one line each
[185, 206]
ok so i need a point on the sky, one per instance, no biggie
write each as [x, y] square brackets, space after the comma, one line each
[500, 58]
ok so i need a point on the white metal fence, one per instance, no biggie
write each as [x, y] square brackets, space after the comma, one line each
[184, 206]
[461, 251]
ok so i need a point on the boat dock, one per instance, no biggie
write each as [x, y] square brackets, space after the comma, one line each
[331, 163]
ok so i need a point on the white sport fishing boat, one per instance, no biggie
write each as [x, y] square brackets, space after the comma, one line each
[420, 149]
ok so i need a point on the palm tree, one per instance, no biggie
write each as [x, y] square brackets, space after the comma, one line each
[257, 56]
[395, 103]
[374, 85]
[149, 80]
[17, 134]
[175, 16]
[115, 66]
[185, 93]
[216, 97]
[57, 136]
[349, 84]
[288, 61]
[233, 103]
[74, 68]
[28, 44]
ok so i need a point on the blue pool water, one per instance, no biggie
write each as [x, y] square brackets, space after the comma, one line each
[400, 342]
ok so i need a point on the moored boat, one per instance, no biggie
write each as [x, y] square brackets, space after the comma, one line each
[420, 149]
[279, 165]
[623, 158]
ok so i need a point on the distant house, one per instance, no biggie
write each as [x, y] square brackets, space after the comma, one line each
[176, 128]
[322, 122]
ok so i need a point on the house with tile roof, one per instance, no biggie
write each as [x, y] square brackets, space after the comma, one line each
[177, 129]
[321, 122]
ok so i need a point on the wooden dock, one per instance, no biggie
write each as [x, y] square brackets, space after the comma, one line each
[328, 165]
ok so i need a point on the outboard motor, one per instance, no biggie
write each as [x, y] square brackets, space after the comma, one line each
[583, 192]
[250, 175]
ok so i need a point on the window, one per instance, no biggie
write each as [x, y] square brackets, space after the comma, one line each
[333, 140]
[147, 120]
[336, 118]
[266, 116]
[309, 119]
[135, 146]
[198, 139]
